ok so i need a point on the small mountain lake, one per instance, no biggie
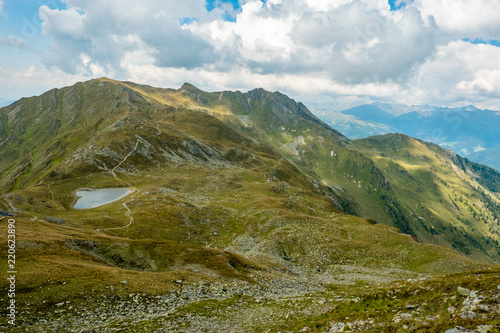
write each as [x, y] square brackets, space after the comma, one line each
[95, 198]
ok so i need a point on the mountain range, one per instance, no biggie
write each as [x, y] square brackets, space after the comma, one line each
[468, 131]
[236, 199]
[5, 102]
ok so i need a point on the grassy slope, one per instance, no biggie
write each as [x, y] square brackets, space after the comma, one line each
[38, 133]
[360, 182]
[446, 202]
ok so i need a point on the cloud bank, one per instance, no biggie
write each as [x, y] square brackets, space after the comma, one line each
[310, 49]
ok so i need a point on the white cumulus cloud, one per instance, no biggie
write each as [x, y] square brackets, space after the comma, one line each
[353, 41]
[470, 19]
[460, 73]
[102, 29]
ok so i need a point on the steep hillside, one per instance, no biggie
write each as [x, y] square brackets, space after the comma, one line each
[446, 198]
[318, 150]
[38, 133]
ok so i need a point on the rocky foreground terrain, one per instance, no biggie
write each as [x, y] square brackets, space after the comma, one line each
[465, 302]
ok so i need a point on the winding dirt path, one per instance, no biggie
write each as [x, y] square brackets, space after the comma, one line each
[128, 214]
[124, 159]
[135, 191]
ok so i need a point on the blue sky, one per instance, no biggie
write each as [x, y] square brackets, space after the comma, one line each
[397, 4]
[482, 41]
[330, 54]
[211, 4]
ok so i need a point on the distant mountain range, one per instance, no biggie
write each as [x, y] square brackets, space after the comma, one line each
[468, 131]
[5, 102]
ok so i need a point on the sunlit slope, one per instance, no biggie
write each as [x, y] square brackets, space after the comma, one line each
[447, 198]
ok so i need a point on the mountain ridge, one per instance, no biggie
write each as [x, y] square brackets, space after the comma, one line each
[239, 203]
[271, 119]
